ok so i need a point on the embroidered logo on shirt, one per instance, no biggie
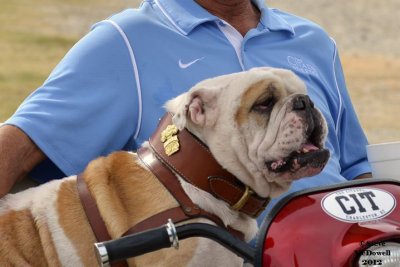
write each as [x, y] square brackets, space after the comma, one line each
[299, 65]
[186, 65]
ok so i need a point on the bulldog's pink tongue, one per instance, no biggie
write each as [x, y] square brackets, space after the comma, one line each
[308, 147]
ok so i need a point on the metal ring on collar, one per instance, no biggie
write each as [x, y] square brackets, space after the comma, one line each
[242, 201]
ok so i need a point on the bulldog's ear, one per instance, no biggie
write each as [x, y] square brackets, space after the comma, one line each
[198, 107]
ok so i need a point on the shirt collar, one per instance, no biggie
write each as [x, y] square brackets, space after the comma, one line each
[271, 20]
[186, 15]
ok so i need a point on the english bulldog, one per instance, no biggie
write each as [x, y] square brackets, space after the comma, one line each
[259, 125]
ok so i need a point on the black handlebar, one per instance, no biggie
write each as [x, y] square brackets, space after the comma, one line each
[132, 245]
[167, 236]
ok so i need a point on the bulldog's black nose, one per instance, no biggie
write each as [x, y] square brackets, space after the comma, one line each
[302, 102]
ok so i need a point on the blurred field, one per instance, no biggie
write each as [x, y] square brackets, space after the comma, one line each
[35, 35]
[374, 84]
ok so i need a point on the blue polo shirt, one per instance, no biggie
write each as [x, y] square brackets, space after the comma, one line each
[107, 93]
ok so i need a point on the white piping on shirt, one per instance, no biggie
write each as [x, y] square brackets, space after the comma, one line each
[339, 117]
[136, 73]
[234, 37]
[169, 18]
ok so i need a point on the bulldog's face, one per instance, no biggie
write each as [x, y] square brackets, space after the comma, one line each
[260, 125]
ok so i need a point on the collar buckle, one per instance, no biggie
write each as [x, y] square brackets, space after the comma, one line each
[243, 200]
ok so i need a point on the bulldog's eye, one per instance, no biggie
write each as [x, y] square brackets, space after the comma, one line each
[264, 105]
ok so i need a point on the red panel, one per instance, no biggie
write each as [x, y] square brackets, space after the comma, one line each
[303, 234]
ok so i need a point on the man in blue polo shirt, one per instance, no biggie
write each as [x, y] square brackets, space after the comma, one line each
[108, 91]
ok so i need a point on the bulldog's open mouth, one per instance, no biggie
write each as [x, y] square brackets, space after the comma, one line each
[308, 156]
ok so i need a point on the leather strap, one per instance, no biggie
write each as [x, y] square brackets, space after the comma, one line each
[92, 212]
[187, 209]
[169, 180]
[93, 215]
[204, 171]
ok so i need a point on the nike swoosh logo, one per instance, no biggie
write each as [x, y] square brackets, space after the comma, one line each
[186, 65]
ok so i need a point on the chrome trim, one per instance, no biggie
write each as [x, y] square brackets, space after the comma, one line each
[173, 237]
[102, 255]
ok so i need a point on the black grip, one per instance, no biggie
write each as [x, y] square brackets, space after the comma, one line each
[137, 244]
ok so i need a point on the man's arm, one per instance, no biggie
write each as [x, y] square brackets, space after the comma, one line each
[352, 139]
[18, 155]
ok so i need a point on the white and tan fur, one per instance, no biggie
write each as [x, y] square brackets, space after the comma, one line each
[46, 226]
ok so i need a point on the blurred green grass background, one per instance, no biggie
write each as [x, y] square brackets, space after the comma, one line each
[35, 35]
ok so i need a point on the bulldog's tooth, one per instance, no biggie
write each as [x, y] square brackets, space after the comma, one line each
[274, 165]
[295, 165]
[308, 147]
[277, 164]
[305, 150]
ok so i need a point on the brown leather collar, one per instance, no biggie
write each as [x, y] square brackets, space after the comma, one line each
[186, 155]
